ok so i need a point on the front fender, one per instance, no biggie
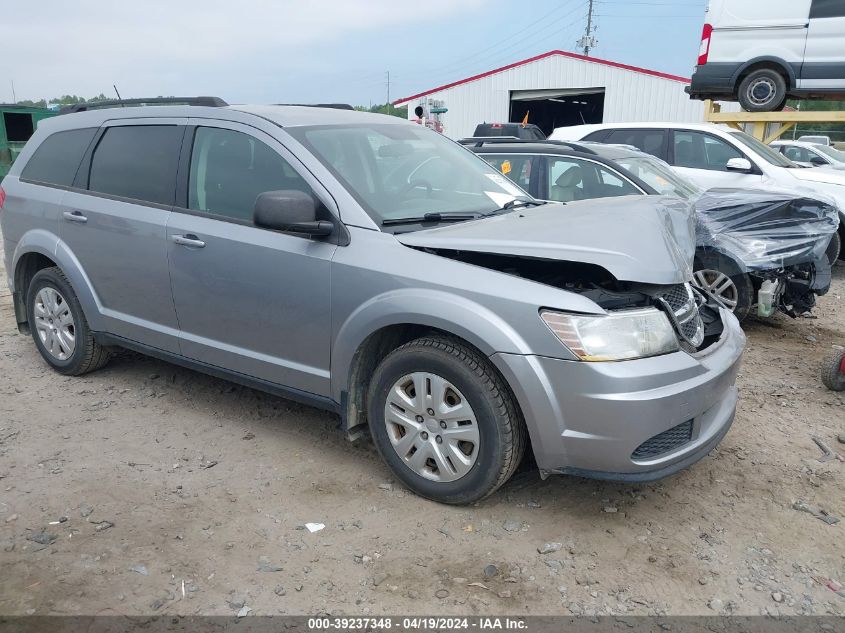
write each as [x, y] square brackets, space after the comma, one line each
[460, 316]
[49, 245]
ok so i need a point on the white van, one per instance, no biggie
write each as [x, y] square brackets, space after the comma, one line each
[760, 52]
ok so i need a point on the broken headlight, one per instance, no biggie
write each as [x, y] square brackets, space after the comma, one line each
[621, 335]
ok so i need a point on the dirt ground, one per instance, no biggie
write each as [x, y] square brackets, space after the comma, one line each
[185, 494]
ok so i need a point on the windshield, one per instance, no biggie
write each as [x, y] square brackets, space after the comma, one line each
[657, 174]
[764, 151]
[400, 171]
[835, 154]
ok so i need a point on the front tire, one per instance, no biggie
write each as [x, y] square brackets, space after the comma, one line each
[763, 90]
[59, 327]
[444, 420]
[834, 249]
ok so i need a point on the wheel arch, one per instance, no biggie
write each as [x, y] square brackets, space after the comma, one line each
[40, 249]
[387, 322]
[774, 63]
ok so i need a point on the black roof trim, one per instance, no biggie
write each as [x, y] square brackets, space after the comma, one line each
[215, 102]
[480, 142]
[333, 106]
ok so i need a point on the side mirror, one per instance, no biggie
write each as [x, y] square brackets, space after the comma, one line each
[291, 211]
[739, 164]
[817, 161]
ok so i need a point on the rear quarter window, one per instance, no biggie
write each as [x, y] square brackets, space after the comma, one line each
[56, 160]
[137, 161]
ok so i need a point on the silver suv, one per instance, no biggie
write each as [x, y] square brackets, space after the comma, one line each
[371, 267]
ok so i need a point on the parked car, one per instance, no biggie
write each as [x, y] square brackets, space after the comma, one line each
[527, 131]
[715, 156]
[812, 154]
[760, 52]
[818, 140]
[435, 301]
[735, 229]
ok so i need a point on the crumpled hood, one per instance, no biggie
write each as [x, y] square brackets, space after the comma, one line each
[646, 239]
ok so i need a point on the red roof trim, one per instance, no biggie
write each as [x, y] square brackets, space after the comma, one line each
[596, 60]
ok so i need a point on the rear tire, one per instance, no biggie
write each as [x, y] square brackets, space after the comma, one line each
[421, 448]
[59, 327]
[719, 276]
[762, 90]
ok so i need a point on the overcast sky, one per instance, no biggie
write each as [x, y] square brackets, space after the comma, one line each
[265, 51]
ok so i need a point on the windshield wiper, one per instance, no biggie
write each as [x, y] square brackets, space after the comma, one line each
[432, 217]
[519, 202]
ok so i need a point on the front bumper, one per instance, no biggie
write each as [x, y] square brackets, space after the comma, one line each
[588, 419]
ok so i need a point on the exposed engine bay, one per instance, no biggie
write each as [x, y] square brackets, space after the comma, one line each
[697, 323]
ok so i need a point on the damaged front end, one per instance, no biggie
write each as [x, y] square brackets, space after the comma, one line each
[697, 325]
[778, 239]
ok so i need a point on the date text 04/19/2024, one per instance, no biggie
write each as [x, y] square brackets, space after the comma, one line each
[420, 623]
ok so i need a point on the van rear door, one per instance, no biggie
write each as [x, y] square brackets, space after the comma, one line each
[824, 58]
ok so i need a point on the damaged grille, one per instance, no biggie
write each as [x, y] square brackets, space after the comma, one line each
[681, 306]
[664, 442]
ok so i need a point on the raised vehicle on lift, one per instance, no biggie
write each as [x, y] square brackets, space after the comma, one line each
[761, 52]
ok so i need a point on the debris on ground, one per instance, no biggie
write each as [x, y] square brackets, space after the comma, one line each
[314, 527]
[511, 525]
[264, 565]
[820, 514]
[42, 537]
[103, 525]
[140, 569]
[490, 571]
[549, 548]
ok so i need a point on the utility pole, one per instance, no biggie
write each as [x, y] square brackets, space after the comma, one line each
[388, 92]
[588, 41]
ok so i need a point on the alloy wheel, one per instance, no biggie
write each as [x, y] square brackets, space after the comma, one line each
[432, 427]
[718, 286]
[54, 323]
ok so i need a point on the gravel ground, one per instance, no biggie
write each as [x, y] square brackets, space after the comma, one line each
[147, 488]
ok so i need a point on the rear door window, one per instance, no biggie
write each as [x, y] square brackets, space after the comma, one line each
[138, 162]
[230, 169]
[649, 141]
[517, 167]
[56, 160]
[697, 150]
[573, 179]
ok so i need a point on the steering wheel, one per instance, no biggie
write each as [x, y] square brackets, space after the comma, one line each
[414, 184]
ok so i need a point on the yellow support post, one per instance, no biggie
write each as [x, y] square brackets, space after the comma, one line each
[759, 122]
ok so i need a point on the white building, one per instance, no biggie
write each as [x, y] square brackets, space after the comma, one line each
[559, 88]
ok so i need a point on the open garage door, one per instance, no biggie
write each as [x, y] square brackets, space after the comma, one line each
[550, 109]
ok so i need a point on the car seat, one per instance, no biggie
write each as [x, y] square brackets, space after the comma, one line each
[566, 188]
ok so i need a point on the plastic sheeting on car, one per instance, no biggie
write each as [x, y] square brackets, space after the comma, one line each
[765, 229]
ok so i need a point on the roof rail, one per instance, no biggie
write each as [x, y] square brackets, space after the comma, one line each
[215, 102]
[480, 142]
[334, 106]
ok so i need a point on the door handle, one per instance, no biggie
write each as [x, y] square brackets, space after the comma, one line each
[188, 240]
[75, 216]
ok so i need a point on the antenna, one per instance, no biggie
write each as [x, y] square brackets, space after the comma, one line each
[14, 96]
[116, 92]
[388, 92]
[588, 41]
